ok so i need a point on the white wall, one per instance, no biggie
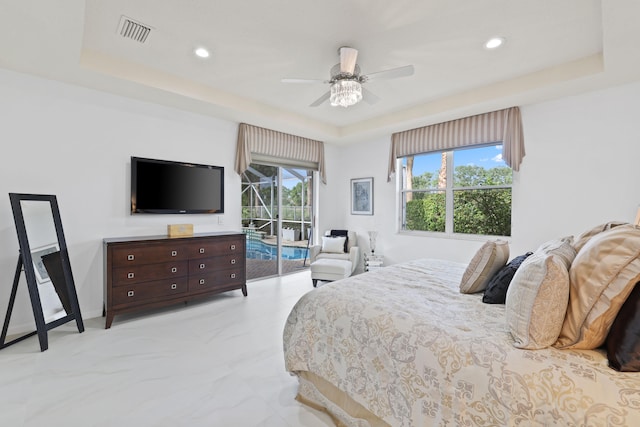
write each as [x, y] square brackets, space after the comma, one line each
[581, 166]
[581, 169]
[77, 143]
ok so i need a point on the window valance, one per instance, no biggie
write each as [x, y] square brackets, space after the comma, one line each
[497, 126]
[279, 148]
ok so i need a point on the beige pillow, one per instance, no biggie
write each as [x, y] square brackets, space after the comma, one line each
[490, 258]
[537, 297]
[602, 276]
[583, 238]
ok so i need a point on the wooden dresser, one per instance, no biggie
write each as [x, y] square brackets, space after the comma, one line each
[155, 271]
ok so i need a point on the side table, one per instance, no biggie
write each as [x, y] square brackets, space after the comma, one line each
[373, 261]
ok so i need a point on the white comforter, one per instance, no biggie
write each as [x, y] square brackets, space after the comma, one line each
[405, 344]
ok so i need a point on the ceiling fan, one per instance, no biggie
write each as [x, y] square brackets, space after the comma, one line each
[346, 81]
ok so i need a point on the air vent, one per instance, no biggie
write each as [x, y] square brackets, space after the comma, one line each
[134, 30]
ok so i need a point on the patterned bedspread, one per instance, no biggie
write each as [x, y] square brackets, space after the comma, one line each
[407, 346]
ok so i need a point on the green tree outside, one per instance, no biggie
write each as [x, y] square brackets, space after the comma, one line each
[476, 211]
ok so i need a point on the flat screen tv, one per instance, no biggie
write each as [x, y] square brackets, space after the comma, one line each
[166, 187]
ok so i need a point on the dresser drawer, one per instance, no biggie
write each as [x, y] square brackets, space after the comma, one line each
[204, 282]
[144, 292]
[147, 254]
[215, 247]
[143, 273]
[208, 265]
[155, 271]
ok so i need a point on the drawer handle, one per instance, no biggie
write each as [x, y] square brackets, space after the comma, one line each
[130, 275]
[233, 275]
[174, 269]
[233, 261]
[131, 257]
[201, 250]
[174, 253]
[201, 281]
[201, 266]
[174, 286]
[233, 247]
[130, 293]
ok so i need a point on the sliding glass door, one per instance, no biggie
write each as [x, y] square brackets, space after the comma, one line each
[277, 208]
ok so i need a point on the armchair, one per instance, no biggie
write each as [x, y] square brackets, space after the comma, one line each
[336, 258]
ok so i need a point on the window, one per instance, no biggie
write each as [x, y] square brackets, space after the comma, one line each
[464, 191]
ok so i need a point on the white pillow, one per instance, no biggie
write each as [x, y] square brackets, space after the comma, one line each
[333, 244]
[538, 295]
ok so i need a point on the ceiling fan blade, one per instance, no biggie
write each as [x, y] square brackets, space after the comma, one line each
[348, 57]
[393, 73]
[320, 100]
[302, 81]
[369, 97]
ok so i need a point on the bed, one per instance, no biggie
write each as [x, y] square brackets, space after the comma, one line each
[401, 346]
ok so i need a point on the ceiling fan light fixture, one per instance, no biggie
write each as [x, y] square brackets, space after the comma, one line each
[345, 83]
[345, 93]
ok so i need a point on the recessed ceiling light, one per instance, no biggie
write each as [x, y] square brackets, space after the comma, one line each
[201, 52]
[494, 43]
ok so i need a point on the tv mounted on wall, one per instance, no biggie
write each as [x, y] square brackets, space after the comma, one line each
[167, 187]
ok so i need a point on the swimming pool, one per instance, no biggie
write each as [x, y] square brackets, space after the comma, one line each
[257, 249]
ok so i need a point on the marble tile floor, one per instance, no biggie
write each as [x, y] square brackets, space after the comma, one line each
[216, 362]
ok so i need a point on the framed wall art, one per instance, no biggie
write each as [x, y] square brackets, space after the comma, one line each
[362, 196]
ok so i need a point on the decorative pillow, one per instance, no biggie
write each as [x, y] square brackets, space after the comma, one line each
[623, 341]
[490, 258]
[602, 276]
[496, 291]
[555, 244]
[583, 238]
[345, 233]
[537, 298]
[333, 244]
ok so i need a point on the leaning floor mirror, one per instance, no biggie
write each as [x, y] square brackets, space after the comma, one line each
[44, 259]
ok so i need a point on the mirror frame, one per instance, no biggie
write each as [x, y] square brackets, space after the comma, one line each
[25, 262]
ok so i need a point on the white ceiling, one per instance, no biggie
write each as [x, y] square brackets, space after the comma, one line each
[554, 48]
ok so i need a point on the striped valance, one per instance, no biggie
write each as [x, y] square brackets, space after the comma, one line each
[498, 126]
[278, 147]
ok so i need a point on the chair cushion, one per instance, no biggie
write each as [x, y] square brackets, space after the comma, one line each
[331, 266]
[329, 255]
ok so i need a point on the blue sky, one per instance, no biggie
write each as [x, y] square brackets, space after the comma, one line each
[288, 180]
[487, 157]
